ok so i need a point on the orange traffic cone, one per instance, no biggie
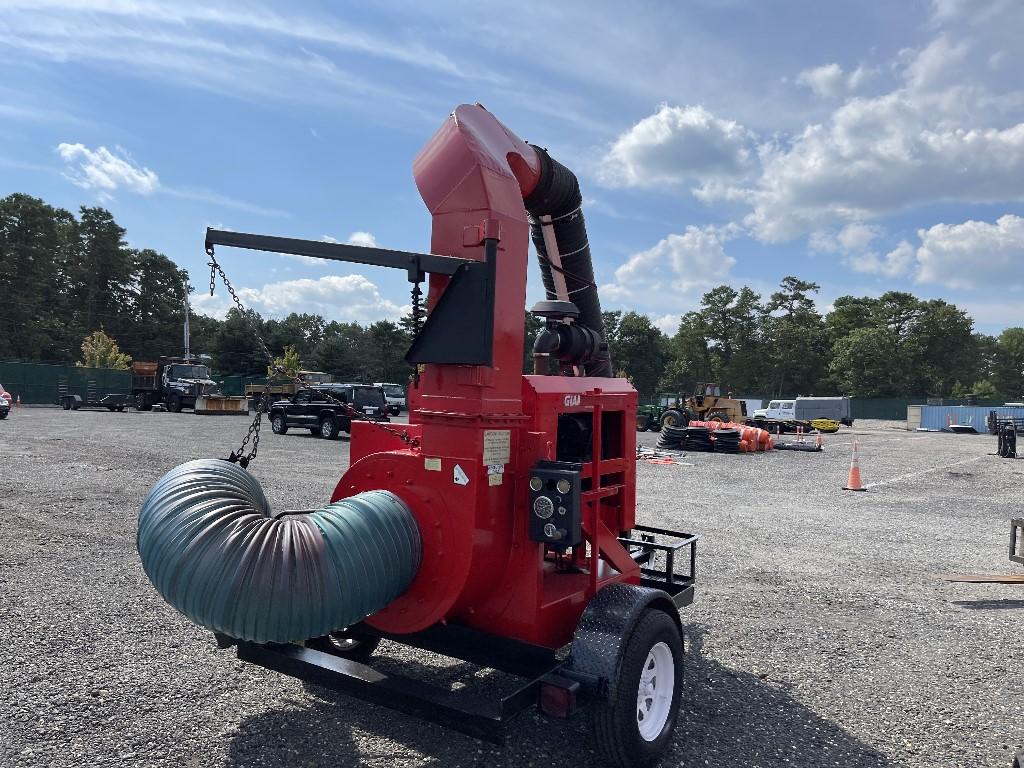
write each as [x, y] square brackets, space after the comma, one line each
[853, 481]
[817, 442]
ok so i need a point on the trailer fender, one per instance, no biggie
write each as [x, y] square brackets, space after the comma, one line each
[604, 629]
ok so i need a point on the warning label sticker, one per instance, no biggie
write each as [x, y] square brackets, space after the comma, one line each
[497, 446]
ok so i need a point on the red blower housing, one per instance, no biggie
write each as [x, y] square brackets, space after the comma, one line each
[482, 430]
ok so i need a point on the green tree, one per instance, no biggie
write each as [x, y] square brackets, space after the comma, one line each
[287, 364]
[236, 350]
[1008, 364]
[101, 351]
[689, 359]
[639, 352]
[103, 272]
[157, 307]
[532, 325]
[386, 344]
[944, 348]
[343, 351]
[796, 339]
[866, 363]
[37, 245]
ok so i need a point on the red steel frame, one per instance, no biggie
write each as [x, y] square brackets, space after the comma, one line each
[479, 566]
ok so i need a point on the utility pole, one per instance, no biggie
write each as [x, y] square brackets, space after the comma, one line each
[187, 312]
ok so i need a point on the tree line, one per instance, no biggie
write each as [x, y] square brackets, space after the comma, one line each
[65, 277]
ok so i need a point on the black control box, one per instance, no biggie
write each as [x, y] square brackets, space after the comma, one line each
[555, 516]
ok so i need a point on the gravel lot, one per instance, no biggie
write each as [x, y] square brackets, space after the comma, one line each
[818, 636]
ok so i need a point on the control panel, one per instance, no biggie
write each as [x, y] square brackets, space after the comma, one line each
[555, 517]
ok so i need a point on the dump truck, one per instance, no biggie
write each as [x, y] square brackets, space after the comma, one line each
[178, 383]
[282, 388]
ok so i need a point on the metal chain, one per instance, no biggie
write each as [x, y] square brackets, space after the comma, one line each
[416, 308]
[240, 456]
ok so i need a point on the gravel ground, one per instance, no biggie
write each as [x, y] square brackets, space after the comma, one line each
[818, 636]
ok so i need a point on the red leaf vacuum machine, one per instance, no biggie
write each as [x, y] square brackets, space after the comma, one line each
[499, 526]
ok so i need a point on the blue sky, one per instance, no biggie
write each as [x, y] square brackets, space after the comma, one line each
[865, 146]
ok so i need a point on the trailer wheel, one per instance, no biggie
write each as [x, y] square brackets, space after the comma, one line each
[634, 723]
[329, 428]
[340, 644]
[278, 424]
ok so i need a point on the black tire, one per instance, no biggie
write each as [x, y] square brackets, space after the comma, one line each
[314, 431]
[643, 422]
[174, 404]
[616, 718]
[278, 424]
[329, 428]
[672, 418]
[338, 644]
[120, 409]
[66, 404]
[3, 415]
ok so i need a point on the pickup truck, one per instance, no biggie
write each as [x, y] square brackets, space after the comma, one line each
[328, 411]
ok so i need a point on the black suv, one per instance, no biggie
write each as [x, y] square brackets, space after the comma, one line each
[329, 409]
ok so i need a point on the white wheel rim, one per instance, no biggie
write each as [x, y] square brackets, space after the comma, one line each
[325, 429]
[654, 693]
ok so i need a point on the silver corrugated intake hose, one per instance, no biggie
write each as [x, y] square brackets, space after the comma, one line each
[210, 547]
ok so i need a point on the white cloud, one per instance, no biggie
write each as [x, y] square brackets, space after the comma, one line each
[346, 298]
[957, 256]
[362, 238]
[898, 262]
[857, 237]
[853, 242]
[973, 254]
[105, 172]
[675, 145]
[667, 324]
[880, 156]
[674, 273]
[830, 81]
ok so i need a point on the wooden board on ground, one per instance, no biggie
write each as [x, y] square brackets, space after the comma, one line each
[983, 578]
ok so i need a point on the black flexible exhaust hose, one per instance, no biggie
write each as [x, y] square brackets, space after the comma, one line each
[557, 195]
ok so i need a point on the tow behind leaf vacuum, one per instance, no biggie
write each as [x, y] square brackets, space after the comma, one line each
[498, 527]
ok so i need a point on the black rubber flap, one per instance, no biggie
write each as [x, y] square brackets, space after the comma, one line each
[460, 328]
